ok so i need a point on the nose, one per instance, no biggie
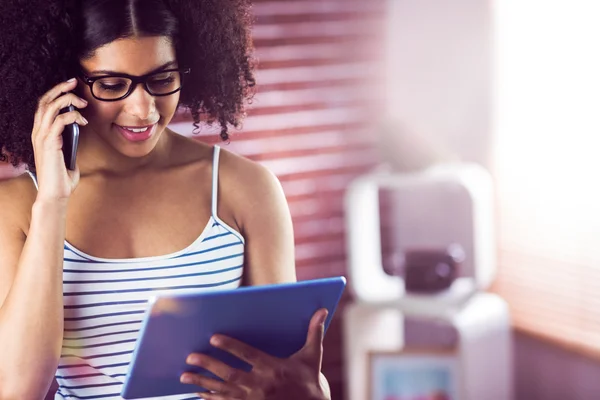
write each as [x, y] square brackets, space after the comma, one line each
[140, 104]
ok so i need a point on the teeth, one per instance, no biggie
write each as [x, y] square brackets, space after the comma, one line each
[137, 130]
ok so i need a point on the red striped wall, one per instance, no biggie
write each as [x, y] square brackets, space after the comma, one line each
[312, 124]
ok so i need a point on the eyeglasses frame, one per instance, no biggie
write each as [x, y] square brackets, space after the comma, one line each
[135, 80]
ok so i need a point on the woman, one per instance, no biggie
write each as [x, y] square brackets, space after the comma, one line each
[81, 251]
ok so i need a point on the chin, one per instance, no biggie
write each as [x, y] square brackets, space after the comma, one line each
[138, 152]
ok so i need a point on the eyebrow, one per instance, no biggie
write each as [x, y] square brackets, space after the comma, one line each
[110, 72]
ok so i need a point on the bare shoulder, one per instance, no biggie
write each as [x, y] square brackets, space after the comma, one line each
[16, 199]
[255, 196]
[248, 187]
[17, 196]
[248, 192]
[186, 150]
[246, 177]
[233, 168]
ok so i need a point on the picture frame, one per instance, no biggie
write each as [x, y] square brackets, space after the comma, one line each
[414, 374]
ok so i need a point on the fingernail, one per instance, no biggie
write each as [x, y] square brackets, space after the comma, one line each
[84, 100]
[193, 360]
[186, 379]
[323, 317]
[71, 80]
[84, 120]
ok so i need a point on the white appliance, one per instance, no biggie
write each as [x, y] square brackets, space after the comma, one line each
[443, 205]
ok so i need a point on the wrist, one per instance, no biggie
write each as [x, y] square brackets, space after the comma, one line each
[49, 207]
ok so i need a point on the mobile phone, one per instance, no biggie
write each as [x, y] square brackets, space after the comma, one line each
[70, 138]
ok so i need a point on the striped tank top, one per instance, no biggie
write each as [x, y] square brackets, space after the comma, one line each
[105, 299]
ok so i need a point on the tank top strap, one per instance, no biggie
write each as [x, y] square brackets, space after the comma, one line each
[215, 181]
[33, 178]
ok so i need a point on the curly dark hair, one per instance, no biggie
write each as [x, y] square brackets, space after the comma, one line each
[42, 41]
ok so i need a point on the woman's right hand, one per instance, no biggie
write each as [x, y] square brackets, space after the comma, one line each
[56, 182]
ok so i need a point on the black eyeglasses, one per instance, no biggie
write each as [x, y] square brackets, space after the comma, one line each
[116, 87]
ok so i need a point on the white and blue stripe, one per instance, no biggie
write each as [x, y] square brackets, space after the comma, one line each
[105, 299]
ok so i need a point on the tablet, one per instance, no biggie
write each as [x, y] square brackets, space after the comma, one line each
[272, 318]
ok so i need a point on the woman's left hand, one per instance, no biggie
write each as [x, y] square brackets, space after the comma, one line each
[294, 378]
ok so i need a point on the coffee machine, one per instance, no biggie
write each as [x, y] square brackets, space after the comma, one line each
[442, 219]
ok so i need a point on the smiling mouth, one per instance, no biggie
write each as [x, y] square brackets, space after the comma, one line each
[137, 133]
[136, 129]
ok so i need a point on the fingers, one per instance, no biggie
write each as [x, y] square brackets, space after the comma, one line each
[226, 389]
[220, 369]
[58, 126]
[316, 329]
[56, 91]
[217, 396]
[52, 110]
[50, 96]
[312, 352]
[247, 353]
[70, 117]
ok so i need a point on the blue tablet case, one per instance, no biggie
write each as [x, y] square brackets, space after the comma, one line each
[272, 318]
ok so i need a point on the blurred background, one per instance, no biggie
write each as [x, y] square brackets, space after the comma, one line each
[348, 87]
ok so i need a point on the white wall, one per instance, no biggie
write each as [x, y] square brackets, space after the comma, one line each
[439, 71]
[440, 85]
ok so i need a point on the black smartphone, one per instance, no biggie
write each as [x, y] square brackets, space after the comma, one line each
[70, 138]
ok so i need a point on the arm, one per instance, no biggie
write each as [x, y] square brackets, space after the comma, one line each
[267, 227]
[32, 233]
[31, 304]
[262, 214]
[266, 224]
